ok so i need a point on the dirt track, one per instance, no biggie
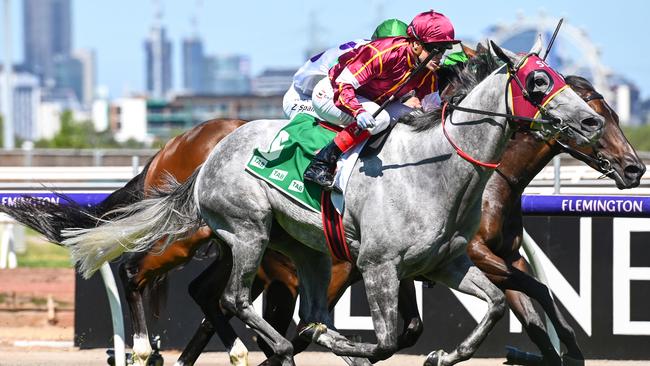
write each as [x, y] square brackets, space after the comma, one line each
[71, 357]
[25, 285]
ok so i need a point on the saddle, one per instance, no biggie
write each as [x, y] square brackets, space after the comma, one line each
[283, 163]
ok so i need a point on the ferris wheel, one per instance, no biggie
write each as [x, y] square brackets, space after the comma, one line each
[573, 52]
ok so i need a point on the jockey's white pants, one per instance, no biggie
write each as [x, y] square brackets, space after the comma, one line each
[295, 102]
[323, 102]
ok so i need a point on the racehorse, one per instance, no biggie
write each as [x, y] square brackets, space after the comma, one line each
[526, 154]
[495, 247]
[431, 243]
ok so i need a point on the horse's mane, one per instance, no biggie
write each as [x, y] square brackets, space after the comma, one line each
[579, 82]
[460, 79]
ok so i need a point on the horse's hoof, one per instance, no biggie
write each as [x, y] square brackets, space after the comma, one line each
[312, 331]
[276, 361]
[570, 361]
[356, 361]
[517, 357]
[238, 354]
[434, 358]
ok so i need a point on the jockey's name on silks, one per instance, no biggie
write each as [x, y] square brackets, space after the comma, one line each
[284, 162]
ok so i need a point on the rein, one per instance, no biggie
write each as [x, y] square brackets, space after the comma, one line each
[602, 164]
[510, 118]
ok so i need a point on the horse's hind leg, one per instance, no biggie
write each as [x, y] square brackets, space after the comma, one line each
[280, 304]
[247, 240]
[136, 274]
[141, 344]
[463, 276]
[408, 310]
[206, 290]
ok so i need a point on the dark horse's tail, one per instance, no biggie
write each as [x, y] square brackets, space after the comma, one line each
[169, 215]
[49, 218]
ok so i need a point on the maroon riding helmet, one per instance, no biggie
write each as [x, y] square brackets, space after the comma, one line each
[432, 30]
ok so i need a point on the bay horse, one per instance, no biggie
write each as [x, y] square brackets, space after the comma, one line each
[430, 244]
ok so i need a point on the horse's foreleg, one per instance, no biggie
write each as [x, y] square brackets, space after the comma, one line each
[382, 289]
[537, 290]
[511, 274]
[533, 324]
[463, 276]
[408, 310]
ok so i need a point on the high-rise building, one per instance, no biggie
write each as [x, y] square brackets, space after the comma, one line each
[193, 66]
[86, 58]
[68, 79]
[47, 29]
[158, 49]
[228, 74]
[26, 99]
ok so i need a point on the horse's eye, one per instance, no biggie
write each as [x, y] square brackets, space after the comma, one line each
[539, 83]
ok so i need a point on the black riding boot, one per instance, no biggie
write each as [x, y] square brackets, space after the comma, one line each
[321, 168]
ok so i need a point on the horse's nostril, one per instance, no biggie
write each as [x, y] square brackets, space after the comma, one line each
[633, 171]
[592, 123]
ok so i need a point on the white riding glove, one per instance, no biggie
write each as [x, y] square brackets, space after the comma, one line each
[365, 120]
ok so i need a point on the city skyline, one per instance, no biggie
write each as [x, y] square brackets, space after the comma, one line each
[237, 28]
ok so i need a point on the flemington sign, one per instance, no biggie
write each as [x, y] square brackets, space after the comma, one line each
[84, 199]
[595, 251]
[558, 205]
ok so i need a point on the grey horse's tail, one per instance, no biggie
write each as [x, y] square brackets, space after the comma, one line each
[172, 215]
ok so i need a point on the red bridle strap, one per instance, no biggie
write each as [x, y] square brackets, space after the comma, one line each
[460, 151]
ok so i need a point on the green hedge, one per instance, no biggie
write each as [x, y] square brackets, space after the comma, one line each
[639, 136]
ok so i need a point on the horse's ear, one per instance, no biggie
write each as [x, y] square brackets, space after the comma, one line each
[468, 51]
[537, 47]
[505, 55]
[480, 48]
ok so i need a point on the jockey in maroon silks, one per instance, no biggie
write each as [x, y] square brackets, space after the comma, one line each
[366, 77]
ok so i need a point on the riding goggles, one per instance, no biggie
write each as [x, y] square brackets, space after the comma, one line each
[437, 48]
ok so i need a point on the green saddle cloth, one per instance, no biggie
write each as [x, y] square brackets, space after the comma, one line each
[288, 156]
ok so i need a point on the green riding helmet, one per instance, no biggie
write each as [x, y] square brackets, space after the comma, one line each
[390, 28]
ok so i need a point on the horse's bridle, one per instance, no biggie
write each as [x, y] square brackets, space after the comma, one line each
[522, 122]
[602, 164]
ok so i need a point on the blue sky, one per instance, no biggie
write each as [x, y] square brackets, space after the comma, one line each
[275, 33]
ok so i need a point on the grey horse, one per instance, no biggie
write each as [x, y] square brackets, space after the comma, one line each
[410, 209]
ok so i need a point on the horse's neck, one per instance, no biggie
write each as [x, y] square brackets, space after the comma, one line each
[524, 157]
[481, 136]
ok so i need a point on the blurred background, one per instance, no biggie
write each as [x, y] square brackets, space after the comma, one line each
[91, 89]
[102, 74]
